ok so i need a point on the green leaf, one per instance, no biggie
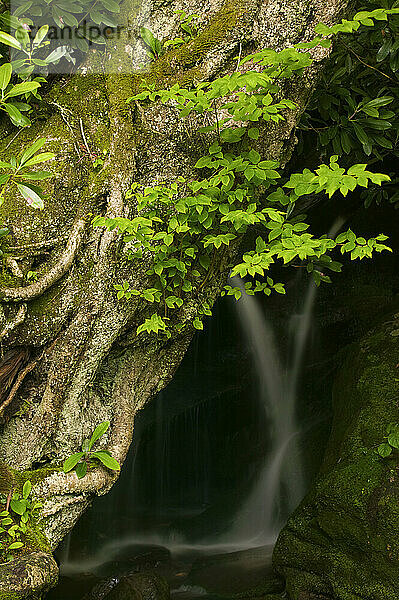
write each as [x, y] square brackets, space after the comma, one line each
[39, 158]
[15, 115]
[26, 490]
[15, 546]
[393, 439]
[6, 38]
[18, 506]
[253, 133]
[98, 432]
[41, 34]
[198, 324]
[111, 5]
[5, 75]
[81, 470]
[31, 150]
[72, 461]
[23, 88]
[108, 461]
[360, 133]
[381, 101]
[150, 40]
[384, 450]
[31, 196]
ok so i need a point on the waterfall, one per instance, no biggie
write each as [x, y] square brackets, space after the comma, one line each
[280, 486]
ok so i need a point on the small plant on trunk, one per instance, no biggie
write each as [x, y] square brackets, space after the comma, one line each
[82, 461]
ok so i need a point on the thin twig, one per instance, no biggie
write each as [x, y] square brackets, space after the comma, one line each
[14, 138]
[239, 57]
[84, 137]
[366, 64]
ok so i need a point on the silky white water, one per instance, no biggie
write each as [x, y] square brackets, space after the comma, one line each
[280, 485]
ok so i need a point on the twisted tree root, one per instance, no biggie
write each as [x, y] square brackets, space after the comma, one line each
[54, 274]
[11, 325]
[17, 385]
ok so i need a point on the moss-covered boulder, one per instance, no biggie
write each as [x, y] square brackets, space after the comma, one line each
[342, 542]
[28, 577]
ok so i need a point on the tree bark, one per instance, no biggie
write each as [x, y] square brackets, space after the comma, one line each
[86, 362]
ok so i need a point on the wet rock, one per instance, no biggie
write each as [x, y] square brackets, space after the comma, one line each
[102, 589]
[236, 573]
[29, 576]
[137, 586]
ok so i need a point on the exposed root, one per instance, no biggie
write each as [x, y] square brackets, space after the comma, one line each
[17, 385]
[38, 247]
[54, 274]
[13, 324]
[14, 267]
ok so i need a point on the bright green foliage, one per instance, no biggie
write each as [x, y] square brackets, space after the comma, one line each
[81, 462]
[18, 510]
[392, 441]
[27, 50]
[19, 173]
[154, 46]
[331, 178]
[9, 92]
[154, 324]
[181, 226]
[188, 27]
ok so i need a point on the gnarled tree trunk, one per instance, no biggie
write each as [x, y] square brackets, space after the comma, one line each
[78, 360]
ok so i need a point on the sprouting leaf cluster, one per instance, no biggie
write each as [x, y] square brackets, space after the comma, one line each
[18, 510]
[82, 461]
[19, 173]
[86, 16]
[188, 30]
[13, 94]
[28, 50]
[391, 442]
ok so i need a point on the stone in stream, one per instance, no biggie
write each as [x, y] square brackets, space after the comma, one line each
[136, 586]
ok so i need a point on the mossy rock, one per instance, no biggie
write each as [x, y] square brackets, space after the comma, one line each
[28, 577]
[342, 542]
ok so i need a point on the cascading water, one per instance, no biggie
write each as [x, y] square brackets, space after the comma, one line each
[280, 486]
[281, 479]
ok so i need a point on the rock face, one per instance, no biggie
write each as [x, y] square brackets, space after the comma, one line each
[342, 543]
[29, 577]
